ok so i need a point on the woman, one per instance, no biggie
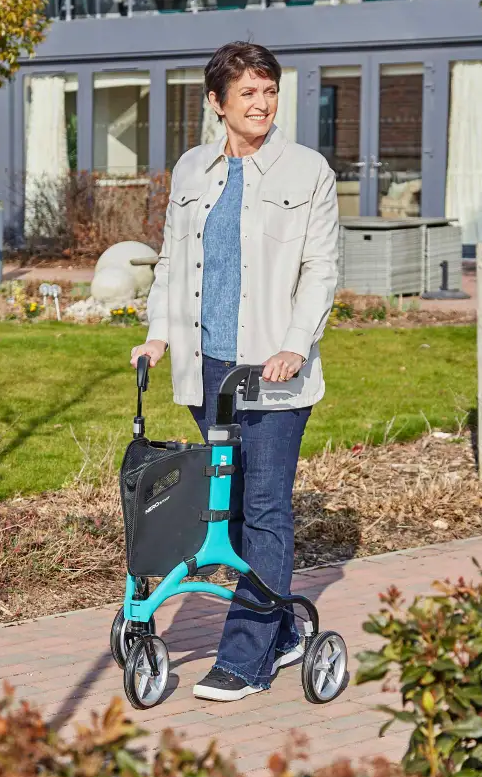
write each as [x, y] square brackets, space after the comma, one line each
[247, 274]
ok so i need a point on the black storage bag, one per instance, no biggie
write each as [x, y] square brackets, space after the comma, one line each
[163, 493]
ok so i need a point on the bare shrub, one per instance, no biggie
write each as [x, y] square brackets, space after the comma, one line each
[79, 215]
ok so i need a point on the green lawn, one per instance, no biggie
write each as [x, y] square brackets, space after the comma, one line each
[57, 380]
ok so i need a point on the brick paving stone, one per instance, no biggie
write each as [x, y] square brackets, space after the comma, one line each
[69, 671]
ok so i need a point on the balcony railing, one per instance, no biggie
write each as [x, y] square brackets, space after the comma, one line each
[81, 9]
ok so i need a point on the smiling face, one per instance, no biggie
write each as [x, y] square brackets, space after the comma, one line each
[250, 106]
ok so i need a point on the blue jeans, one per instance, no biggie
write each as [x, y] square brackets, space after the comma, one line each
[261, 528]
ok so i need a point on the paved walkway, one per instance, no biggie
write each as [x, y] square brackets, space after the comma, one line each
[63, 664]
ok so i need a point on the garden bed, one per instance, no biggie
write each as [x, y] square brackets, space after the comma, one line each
[350, 311]
[64, 550]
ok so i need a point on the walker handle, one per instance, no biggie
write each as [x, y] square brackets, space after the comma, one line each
[245, 375]
[143, 372]
[143, 363]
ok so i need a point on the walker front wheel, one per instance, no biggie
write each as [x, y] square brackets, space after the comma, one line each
[119, 645]
[143, 686]
[324, 667]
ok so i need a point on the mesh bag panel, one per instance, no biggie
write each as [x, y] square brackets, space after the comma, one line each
[138, 456]
[162, 484]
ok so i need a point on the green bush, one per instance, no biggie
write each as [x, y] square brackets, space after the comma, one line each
[434, 648]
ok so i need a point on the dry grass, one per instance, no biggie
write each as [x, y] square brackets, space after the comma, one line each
[65, 550]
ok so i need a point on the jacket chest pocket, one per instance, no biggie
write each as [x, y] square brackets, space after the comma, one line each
[285, 214]
[184, 208]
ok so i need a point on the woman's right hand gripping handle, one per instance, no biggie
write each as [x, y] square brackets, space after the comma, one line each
[155, 349]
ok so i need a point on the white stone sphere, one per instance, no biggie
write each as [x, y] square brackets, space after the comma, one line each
[120, 254]
[113, 285]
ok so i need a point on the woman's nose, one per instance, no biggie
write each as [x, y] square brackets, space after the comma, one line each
[261, 103]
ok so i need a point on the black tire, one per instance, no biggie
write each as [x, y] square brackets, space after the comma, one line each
[336, 678]
[157, 686]
[118, 648]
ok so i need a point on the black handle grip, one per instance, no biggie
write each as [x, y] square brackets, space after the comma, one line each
[143, 363]
[248, 377]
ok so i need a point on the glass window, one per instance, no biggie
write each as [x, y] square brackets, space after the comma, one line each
[121, 122]
[400, 141]
[339, 132]
[190, 119]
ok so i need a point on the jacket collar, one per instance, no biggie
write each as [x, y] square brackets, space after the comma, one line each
[272, 148]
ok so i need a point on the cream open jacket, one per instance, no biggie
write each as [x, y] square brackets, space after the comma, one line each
[289, 253]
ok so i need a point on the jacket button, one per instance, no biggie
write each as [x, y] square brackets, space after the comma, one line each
[241, 355]
[197, 353]
[287, 202]
[182, 199]
[207, 206]
[197, 294]
[197, 323]
[198, 264]
[198, 234]
[221, 183]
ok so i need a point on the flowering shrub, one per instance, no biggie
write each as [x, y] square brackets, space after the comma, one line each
[33, 309]
[342, 310]
[124, 315]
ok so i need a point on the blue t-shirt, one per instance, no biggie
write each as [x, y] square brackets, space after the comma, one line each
[222, 269]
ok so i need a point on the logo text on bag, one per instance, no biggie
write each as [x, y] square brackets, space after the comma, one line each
[156, 504]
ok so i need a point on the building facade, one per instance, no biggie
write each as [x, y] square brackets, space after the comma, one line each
[389, 91]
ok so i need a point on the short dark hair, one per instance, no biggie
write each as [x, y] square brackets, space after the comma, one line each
[230, 62]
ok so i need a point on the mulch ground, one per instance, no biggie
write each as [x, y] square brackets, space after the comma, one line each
[64, 550]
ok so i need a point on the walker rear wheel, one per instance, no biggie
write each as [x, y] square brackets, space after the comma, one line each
[324, 667]
[119, 646]
[143, 688]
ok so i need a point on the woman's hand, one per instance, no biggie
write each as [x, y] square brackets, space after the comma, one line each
[153, 348]
[282, 366]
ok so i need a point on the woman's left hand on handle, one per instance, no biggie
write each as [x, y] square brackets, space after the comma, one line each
[282, 366]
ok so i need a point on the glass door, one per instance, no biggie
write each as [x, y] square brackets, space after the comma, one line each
[339, 132]
[395, 159]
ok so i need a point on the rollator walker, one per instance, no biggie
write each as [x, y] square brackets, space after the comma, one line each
[175, 502]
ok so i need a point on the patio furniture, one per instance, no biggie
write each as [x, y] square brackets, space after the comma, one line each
[381, 256]
[380, 253]
[402, 200]
[442, 243]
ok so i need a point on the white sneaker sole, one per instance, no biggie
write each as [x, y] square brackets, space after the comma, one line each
[289, 658]
[216, 694]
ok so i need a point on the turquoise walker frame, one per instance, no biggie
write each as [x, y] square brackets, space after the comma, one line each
[216, 549]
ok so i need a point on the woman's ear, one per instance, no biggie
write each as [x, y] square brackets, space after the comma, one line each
[213, 101]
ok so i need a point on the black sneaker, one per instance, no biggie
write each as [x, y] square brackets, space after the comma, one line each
[219, 685]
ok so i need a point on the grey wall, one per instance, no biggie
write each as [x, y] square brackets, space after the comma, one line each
[320, 28]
